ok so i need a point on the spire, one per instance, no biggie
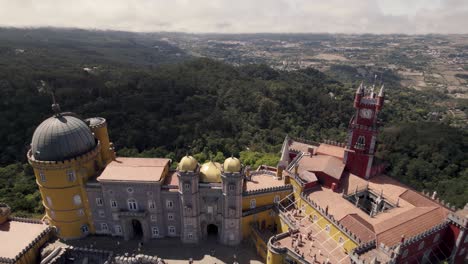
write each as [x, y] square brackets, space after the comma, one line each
[381, 93]
[285, 150]
[55, 105]
[360, 89]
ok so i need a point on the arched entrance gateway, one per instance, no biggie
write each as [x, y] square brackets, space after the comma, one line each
[212, 232]
[137, 229]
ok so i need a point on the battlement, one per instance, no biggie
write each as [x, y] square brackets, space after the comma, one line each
[30, 245]
[436, 199]
[268, 190]
[423, 235]
[91, 155]
[334, 143]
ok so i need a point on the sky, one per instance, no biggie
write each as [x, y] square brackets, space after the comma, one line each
[243, 16]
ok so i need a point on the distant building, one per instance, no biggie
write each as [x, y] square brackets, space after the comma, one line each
[324, 202]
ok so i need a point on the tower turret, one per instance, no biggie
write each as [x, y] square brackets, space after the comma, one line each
[232, 180]
[362, 133]
[358, 95]
[188, 173]
[64, 155]
[380, 98]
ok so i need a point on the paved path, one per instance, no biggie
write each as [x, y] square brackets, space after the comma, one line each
[173, 251]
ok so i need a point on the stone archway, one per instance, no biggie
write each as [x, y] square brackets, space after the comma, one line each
[212, 232]
[137, 229]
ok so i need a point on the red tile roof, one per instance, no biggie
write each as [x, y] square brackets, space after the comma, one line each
[358, 226]
[417, 199]
[135, 169]
[410, 223]
[331, 150]
[329, 165]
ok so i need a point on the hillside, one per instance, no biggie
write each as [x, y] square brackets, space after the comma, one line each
[203, 107]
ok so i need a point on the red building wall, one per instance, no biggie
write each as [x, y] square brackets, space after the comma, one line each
[439, 249]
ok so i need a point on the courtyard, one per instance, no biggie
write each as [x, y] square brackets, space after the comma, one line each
[172, 250]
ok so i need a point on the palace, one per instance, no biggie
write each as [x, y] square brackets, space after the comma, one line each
[325, 202]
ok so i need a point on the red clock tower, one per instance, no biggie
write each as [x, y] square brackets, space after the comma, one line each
[362, 135]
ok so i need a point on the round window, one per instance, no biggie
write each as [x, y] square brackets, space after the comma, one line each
[77, 199]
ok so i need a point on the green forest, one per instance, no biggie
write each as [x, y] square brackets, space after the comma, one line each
[164, 103]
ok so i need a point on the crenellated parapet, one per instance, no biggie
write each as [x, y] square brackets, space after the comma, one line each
[29, 246]
[26, 220]
[417, 238]
[334, 143]
[435, 198]
[458, 220]
[40, 164]
[287, 187]
[306, 141]
[138, 259]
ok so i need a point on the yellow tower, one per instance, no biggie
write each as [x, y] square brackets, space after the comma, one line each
[98, 126]
[64, 155]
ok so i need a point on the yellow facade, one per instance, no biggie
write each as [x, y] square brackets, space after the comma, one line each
[62, 187]
[262, 199]
[101, 133]
[335, 233]
[274, 258]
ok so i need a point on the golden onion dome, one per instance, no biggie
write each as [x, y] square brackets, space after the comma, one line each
[232, 165]
[187, 163]
[210, 172]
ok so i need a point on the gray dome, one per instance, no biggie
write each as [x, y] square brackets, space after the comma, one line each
[61, 137]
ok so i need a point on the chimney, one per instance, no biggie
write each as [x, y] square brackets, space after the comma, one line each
[279, 172]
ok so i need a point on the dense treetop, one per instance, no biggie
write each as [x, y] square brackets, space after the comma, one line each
[207, 108]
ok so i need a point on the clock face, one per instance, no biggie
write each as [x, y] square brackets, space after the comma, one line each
[366, 113]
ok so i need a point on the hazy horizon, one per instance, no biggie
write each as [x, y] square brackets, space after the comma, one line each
[243, 17]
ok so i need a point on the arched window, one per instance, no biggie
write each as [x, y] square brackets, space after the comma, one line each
[155, 231]
[84, 229]
[104, 227]
[276, 199]
[361, 140]
[77, 199]
[253, 203]
[421, 245]
[42, 176]
[132, 205]
[71, 175]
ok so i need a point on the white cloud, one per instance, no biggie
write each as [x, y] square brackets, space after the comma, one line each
[229, 16]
